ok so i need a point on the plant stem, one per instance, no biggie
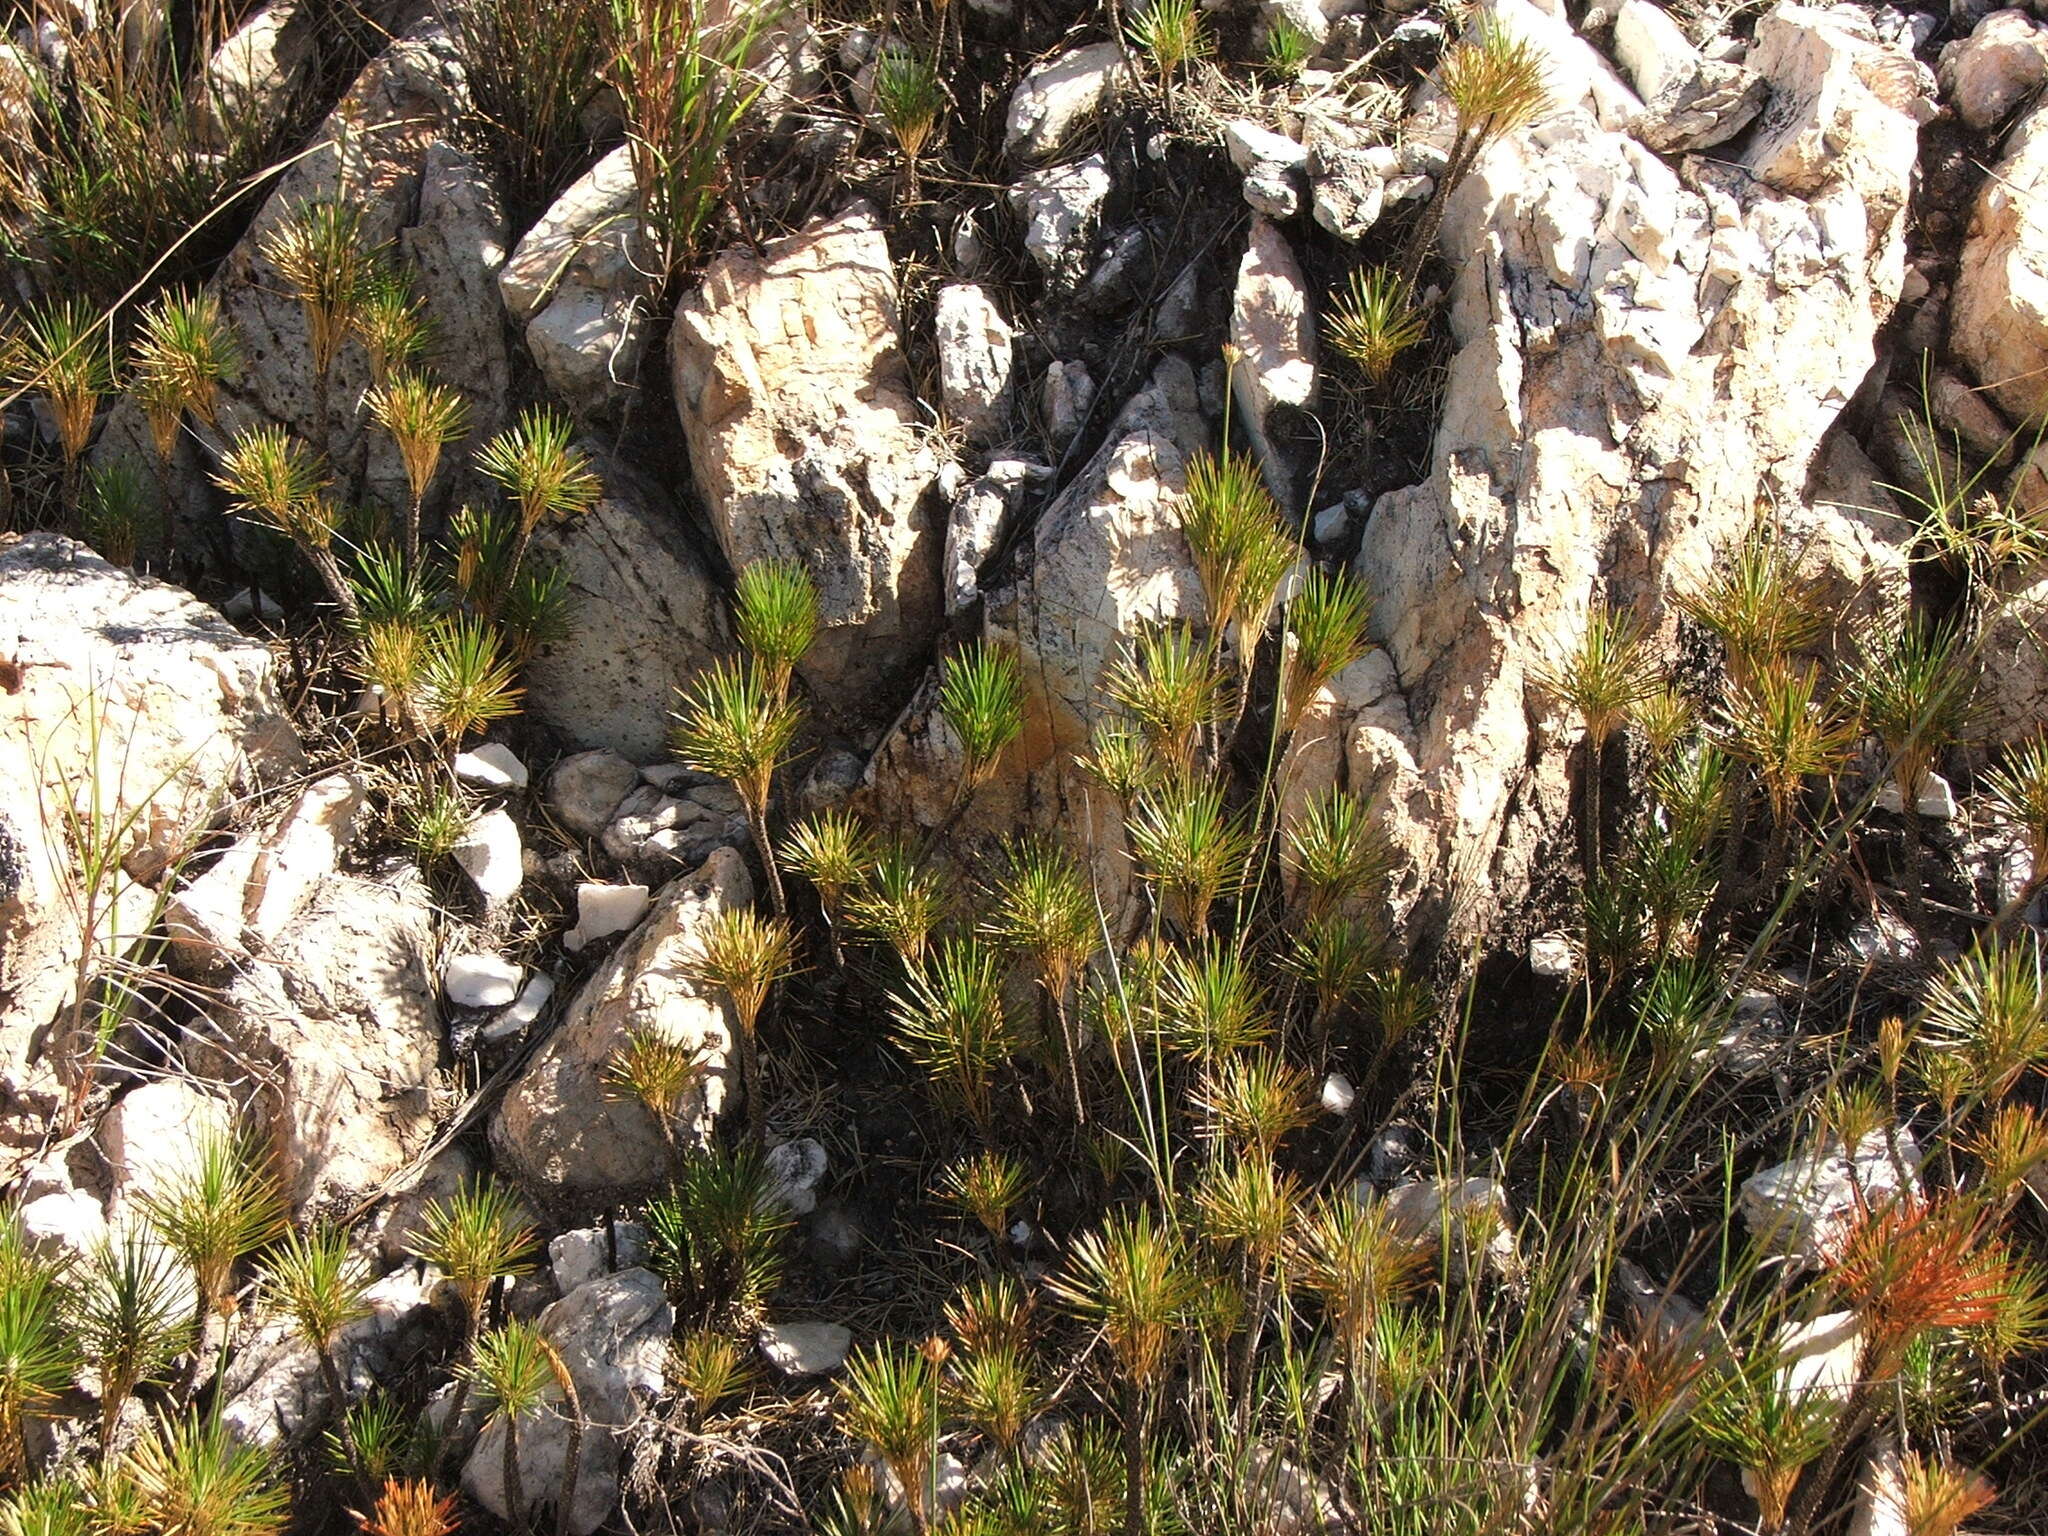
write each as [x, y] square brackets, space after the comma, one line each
[330, 1377]
[515, 1513]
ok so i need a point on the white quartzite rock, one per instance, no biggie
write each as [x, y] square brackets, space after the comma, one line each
[806, 1349]
[490, 854]
[1060, 207]
[1690, 102]
[1998, 313]
[807, 444]
[1804, 1206]
[975, 361]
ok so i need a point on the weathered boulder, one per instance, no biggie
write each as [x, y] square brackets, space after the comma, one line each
[390, 151]
[1059, 96]
[558, 1128]
[806, 443]
[1638, 356]
[613, 1336]
[586, 788]
[1998, 311]
[580, 285]
[334, 1034]
[2001, 63]
[1106, 557]
[137, 712]
[644, 617]
[151, 1137]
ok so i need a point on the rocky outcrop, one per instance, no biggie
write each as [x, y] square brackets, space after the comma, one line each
[1689, 101]
[2000, 64]
[1640, 355]
[806, 443]
[131, 716]
[558, 1128]
[1998, 314]
[644, 616]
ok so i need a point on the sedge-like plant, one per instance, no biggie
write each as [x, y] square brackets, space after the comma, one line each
[706, 1366]
[1192, 850]
[1912, 690]
[321, 1286]
[1496, 82]
[322, 256]
[744, 955]
[1601, 679]
[889, 1397]
[1788, 731]
[987, 1186]
[465, 680]
[49, 1506]
[1374, 321]
[981, 696]
[410, 1506]
[991, 1312]
[656, 1069]
[477, 1237]
[898, 901]
[1335, 851]
[734, 724]
[1121, 760]
[2017, 794]
[1334, 956]
[1254, 1099]
[1988, 1009]
[131, 1318]
[537, 464]
[1045, 909]
[1758, 605]
[1326, 623]
[217, 1210]
[391, 323]
[62, 352]
[531, 68]
[1131, 1279]
[715, 1237]
[1241, 549]
[952, 1019]
[684, 82]
[1214, 1004]
[911, 98]
[1246, 1207]
[998, 1393]
[422, 417]
[511, 1373]
[1171, 34]
[117, 512]
[276, 481]
[38, 1352]
[191, 1474]
[775, 612]
[831, 850]
[184, 350]
[1753, 1415]
[1169, 683]
[1288, 48]
[1941, 1494]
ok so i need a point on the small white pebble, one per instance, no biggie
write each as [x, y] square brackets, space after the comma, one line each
[1338, 1094]
[603, 910]
[491, 766]
[481, 981]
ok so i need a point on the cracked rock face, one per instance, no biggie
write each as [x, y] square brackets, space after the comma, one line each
[1998, 319]
[1642, 354]
[807, 444]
